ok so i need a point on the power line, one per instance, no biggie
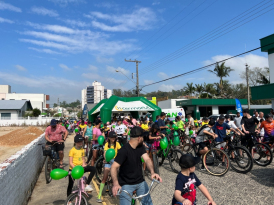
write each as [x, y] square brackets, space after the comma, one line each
[181, 50]
[202, 68]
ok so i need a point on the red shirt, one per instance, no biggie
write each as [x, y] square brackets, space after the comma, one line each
[55, 134]
[268, 127]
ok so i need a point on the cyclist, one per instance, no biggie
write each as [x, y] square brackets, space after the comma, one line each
[187, 182]
[205, 121]
[128, 161]
[268, 126]
[87, 134]
[179, 123]
[106, 130]
[161, 123]
[232, 124]
[96, 132]
[237, 120]
[82, 126]
[111, 144]
[76, 158]
[220, 128]
[54, 133]
[202, 135]
[249, 125]
[122, 132]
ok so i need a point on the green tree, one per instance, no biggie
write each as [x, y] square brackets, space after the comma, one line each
[36, 112]
[189, 89]
[264, 77]
[199, 89]
[209, 89]
[221, 71]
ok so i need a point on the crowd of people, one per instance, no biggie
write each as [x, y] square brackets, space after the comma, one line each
[132, 139]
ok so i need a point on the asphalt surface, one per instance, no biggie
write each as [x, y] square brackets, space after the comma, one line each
[55, 193]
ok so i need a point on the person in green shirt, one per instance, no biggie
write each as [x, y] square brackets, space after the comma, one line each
[179, 123]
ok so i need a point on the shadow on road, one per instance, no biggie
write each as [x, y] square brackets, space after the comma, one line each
[263, 175]
[58, 202]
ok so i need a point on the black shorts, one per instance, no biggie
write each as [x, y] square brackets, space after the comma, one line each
[58, 146]
[202, 145]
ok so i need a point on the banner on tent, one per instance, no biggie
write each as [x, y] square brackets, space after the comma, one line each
[131, 106]
[98, 108]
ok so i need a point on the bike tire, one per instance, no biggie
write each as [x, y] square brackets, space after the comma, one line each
[161, 158]
[241, 155]
[155, 163]
[187, 148]
[75, 196]
[99, 165]
[261, 151]
[48, 169]
[212, 160]
[174, 158]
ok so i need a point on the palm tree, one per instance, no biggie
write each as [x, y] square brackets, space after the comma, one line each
[264, 80]
[209, 89]
[221, 71]
[189, 89]
[199, 89]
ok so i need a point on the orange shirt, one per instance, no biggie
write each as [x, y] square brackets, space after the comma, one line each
[268, 127]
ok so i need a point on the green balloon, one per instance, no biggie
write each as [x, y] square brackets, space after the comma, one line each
[176, 128]
[174, 121]
[113, 126]
[173, 126]
[62, 124]
[142, 160]
[163, 144]
[110, 154]
[129, 132]
[77, 172]
[102, 125]
[57, 174]
[168, 131]
[176, 141]
[76, 130]
[168, 125]
[191, 132]
[165, 139]
[175, 133]
[196, 124]
[101, 140]
[186, 120]
[67, 125]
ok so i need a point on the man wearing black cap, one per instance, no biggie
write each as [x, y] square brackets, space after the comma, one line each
[54, 133]
[187, 182]
[128, 161]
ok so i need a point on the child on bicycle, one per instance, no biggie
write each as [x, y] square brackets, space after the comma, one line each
[187, 182]
[111, 144]
[87, 134]
[76, 158]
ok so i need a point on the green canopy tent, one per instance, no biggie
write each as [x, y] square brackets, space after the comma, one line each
[123, 104]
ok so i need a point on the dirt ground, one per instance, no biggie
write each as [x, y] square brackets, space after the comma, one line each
[12, 139]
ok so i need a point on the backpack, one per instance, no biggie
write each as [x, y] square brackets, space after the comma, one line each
[203, 127]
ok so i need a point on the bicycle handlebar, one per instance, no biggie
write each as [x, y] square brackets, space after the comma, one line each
[141, 196]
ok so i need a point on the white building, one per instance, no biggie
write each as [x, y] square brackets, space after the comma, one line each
[94, 94]
[37, 100]
[13, 109]
[169, 104]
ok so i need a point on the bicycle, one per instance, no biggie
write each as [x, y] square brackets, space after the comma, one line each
[99, 164]
[79, 196]
[88, 147]
[52, 159]
[139, 198]
[213, 159]
[261, 153]
[172, 154]
[240, 158]
[153, 151]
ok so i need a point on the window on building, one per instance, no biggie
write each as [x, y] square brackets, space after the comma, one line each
[224, 109]
[5, 116]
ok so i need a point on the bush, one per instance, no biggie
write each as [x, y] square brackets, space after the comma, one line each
[36, 112]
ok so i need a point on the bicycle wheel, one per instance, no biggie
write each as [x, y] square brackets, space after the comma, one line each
[262, 154]
[174, 158]
[161, 158]
[75, 198]
[216, 162]
[186, 148]
[155, 163]
[48, 169]
[99, 165]
[240, 159]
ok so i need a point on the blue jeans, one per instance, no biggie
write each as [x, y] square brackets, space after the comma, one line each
[140, 189]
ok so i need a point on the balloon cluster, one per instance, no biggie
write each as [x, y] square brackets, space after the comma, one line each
[76, 173]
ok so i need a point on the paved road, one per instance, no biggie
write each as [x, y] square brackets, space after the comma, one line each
[256, 187]
[55, 193]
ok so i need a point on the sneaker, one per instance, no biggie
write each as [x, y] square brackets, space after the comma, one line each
[241, 162]
[223, 164]
[99, 201]
[203, 168]
[88, 188]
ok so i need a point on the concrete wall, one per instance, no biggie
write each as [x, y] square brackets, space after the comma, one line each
[25, 121]
[5, 89]
[19, 173]
[2, 96]
[271, 66]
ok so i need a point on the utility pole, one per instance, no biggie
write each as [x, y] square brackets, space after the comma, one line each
[247, 84]
[137, 75]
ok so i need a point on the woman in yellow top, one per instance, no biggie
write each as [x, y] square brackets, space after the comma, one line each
[144, 125]
[111, 144]
[76, 158]
[179, 123]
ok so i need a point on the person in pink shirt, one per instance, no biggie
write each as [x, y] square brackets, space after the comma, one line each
[134, 121]
[54, 133]
[96, 133]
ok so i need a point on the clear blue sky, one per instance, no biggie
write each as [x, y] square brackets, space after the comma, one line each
[58, 47]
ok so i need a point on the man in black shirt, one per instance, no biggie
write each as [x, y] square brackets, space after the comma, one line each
[129, 161]
[161, 123]
[249, 124]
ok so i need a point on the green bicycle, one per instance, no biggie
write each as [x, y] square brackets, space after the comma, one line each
[172, 154]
